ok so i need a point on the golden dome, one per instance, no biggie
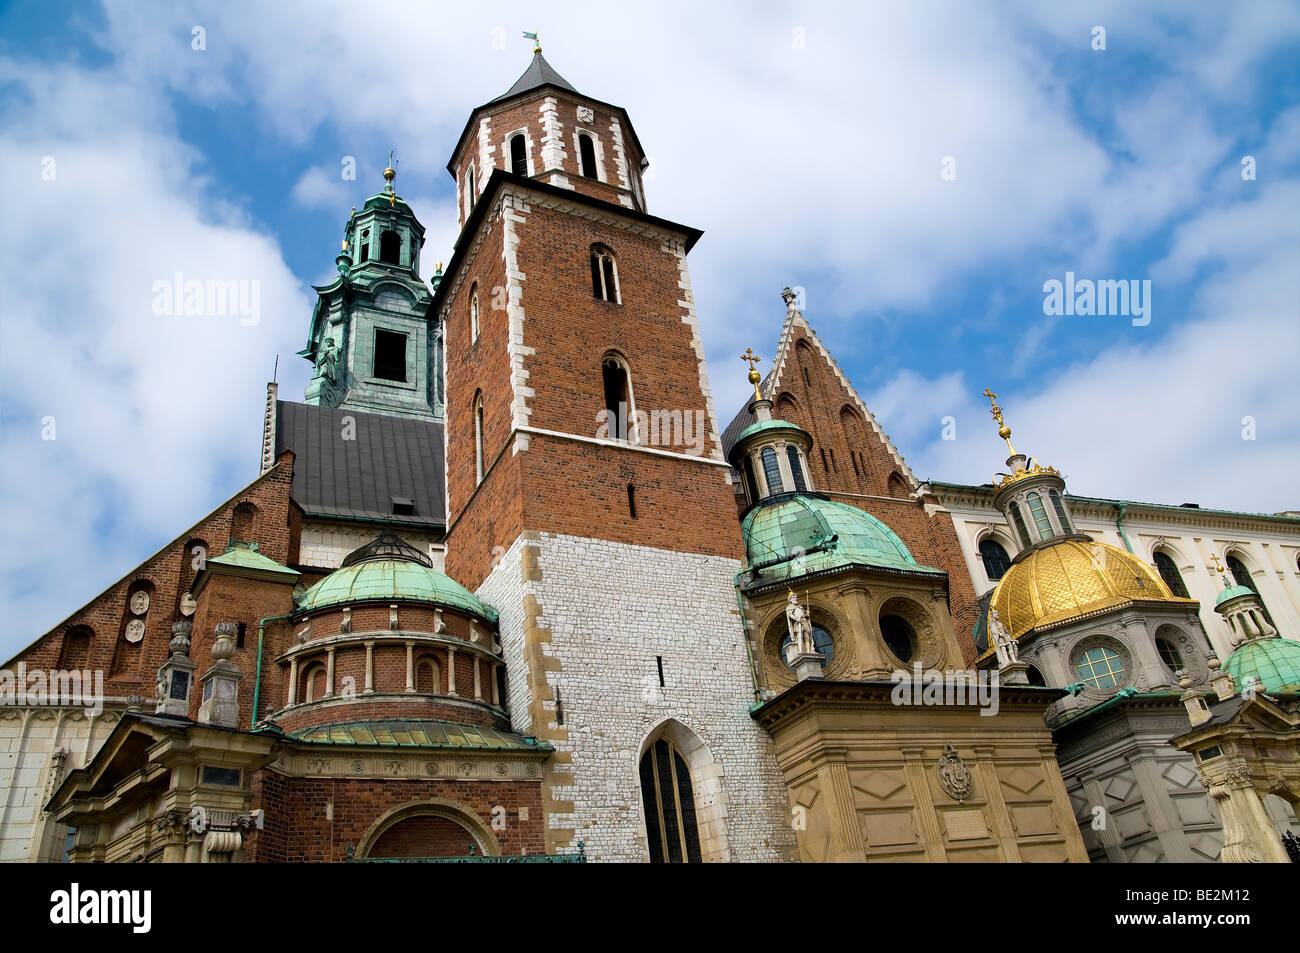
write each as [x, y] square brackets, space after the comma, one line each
[1072, 579]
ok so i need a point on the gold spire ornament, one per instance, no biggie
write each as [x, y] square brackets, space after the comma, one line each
[390, 173]
[537, 43]
[754, 376]
[1003, 430]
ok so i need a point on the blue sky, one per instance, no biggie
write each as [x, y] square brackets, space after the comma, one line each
[807, 140]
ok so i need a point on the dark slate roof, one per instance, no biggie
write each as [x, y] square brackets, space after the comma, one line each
[539, 73]
[358, 479]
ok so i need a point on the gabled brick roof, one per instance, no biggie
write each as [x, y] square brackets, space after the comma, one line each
[390, 457]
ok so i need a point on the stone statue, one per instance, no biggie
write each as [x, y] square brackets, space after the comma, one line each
[1006, 647]
[326, 363]
[800, 626]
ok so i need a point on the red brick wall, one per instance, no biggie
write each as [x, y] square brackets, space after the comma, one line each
[565, 486]
[371, 709]
[297, 828]
[526, 113]
[168, 574]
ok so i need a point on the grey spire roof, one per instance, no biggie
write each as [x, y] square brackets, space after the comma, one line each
[539, 73]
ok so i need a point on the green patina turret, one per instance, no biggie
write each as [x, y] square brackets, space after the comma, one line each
[790, 531]
[387, 570]
[374, 340]
[1274, 663]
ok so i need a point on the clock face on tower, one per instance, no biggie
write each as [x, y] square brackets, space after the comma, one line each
[140, 602]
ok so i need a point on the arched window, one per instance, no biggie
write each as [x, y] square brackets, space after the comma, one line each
[1060, 512]
[618, 396]
[518, 154]
[365, 245]
[314, 678]
[898, 635]
[428, 676]
[1243, 577]
[1169, 653]
[1035, 677]
[473, 314]
[1169, 573]
[996, 561]
[75, 653]
[668, 797]
[478, 437]
[390, 248]
[604, 275]
[242, 521]
[1039, 512]
[897, 486]
[751, 482]
[796, 468]
[1101, 667]
[587, 155]
[1020, 525]
[772, 472]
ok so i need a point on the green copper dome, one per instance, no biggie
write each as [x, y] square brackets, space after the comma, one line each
[802, 534]
[390, 569]
[1274, 662]
[1232, 593]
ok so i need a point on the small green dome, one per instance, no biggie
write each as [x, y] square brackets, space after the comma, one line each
[762, 426]
[1232, 593]
[801, 534]
[1274, 662]
[386, 570]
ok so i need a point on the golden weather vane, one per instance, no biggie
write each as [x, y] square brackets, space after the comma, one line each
[537, 43]
[754, 376]
[1003, 430]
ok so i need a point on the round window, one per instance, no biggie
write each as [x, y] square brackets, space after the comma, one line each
[898, 635]
[1169, 654]
[1101, 667]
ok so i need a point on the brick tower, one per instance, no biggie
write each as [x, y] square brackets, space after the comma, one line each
[588, 499]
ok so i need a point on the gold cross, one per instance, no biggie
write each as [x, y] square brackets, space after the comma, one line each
[750, 356]
[754, 376]
[997, 411]
[1217, 568]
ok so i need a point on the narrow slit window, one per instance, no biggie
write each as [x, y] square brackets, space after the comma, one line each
[518, 154]
[1060, 512]
[587, 155]
[618, 397]
[631, 500]
[478, 438]
[1039, 513]
[473, 314]
[604, 275]
[1020, 525]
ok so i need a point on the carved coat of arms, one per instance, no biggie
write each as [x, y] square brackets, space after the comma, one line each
[954, 776]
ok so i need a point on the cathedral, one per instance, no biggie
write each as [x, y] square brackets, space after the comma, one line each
[508, 589]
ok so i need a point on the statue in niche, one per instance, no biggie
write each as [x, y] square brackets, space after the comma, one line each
[327, 363]
[800, 626]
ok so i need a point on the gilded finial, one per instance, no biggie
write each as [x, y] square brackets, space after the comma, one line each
[1218, 567]
[537, 43]
[754, 376]
[1003, 430]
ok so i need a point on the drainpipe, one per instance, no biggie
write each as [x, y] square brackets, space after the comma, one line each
[1119, 525]
[257, 682]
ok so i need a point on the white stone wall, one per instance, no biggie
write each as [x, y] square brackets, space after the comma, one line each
[611, 609]
[325, 544]
[29, 773]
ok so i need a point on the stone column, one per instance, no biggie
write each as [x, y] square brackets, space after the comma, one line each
[987, 772]
[1248, 832]
[451, 670]
[931, 831]
[293, 682]
[841, 814]
[1161, 811]
[370, 668]
[760, 475]
[329, 672]
[1062, 813]
[478, 684]
[1112, 841]
[410, 666]
[855, 599]
[496, 682]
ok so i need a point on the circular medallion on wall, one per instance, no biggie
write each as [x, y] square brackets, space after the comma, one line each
[135, 630]
[188, 605]
[586, 114]
[140, 602]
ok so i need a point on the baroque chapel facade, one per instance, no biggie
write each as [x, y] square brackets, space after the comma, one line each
[506, 589]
